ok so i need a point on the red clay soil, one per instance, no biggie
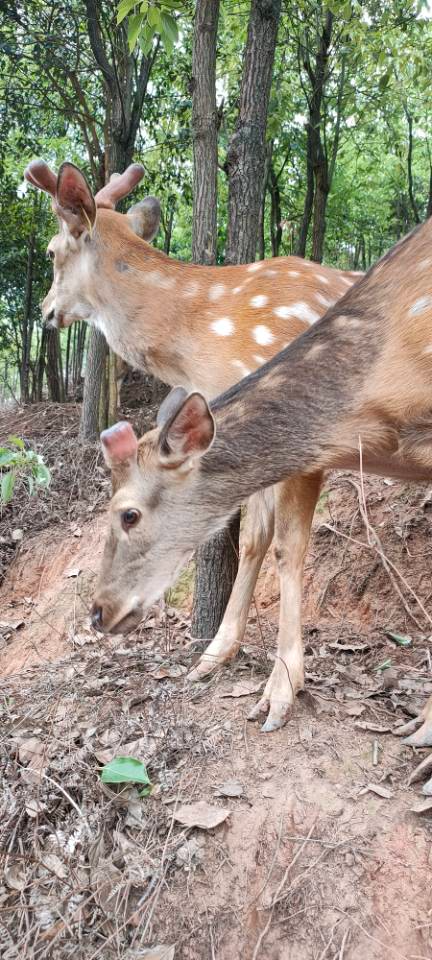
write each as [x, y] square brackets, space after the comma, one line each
[310, 863]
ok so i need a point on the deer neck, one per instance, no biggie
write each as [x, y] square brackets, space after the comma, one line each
[146, 304]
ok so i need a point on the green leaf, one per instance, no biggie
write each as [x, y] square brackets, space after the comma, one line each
[17, 442]
[42, 475]
[6, 457]
[399, 638]
[169, 27]
[125, 770]
[383, 666]
[134, 27]
[124, 8]
[154, 18]
[7, 486]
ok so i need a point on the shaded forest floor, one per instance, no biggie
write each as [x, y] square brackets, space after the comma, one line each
[309, 862]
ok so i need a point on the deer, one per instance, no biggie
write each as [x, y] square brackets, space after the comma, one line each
[202, 328]
[353, 392]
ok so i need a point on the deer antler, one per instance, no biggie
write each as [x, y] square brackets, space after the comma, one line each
[119, 186]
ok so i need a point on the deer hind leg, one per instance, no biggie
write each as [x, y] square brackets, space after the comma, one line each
[295, 502]
[256, 541]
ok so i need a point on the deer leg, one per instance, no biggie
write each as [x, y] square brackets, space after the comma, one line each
[257, 539]
[295, 502]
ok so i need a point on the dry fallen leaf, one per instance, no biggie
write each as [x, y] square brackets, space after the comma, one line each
[201, 814]
[244, 688]
[14, 876]
[168, 670]
[231, 788]
[159, 952]
[376, 788]
[53, 863]
[33, 753]
[423, 806]
[109, 891]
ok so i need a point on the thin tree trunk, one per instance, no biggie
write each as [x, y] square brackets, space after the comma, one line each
[54, 371]
[410, 170]
[246, 151]
[309, 195]
[276, 213]
[204, 132]
[95, 367]
[216, 561]
[27, 325]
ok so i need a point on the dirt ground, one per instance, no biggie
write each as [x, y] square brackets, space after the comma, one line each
[319, 853]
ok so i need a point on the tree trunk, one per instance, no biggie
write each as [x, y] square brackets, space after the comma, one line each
[276, 212]
[27, 325]
[245, 166]
[204, 133]
[54, 370]
[216, 561]
[125, 83]
[429, 206]
[309, 195]
[246, 151]
[95, 367]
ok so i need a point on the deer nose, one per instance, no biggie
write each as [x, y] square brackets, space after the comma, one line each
[96, 617]
[50, 316]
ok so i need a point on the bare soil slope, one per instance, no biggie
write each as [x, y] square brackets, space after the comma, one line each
[309, 862]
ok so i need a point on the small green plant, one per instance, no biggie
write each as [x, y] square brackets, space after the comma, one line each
[126, 770]
[16, 461]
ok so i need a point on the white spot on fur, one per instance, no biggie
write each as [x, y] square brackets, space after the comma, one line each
[283, 312]
[325, 301]
[259, 359]
[293, 273]
[259, 301]
[323, 279]
[420, 305]
[244, 370]
[304, 312]
[255, 266]
[427, 350]
[224, 327]
[159, 279]
[263, 335]
[216, 291]
[424, 264]
[270, 273]
[346, 281]
[237, 289]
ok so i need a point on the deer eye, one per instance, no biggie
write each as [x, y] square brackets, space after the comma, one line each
[50, 254]
[129, 518]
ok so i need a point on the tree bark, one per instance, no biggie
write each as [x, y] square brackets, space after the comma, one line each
[216, 562]
[95, 368]
[246, 151]
[27, 325]
[204, 132]
[125, 90]
[309, 195]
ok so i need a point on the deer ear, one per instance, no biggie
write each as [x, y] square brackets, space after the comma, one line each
[74, 201]
[144, 218]
[188, 432]
[119, 445]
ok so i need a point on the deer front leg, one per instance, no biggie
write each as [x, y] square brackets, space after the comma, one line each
[256, 541]
[295, 502]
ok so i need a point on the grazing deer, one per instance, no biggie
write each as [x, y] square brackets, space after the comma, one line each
[354, 391]
[201, 327]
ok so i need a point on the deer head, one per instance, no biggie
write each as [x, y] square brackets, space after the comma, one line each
[79, 247]
[152, 533]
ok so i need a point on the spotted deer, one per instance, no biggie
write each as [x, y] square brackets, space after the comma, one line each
[354, 391]
[201, 327]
